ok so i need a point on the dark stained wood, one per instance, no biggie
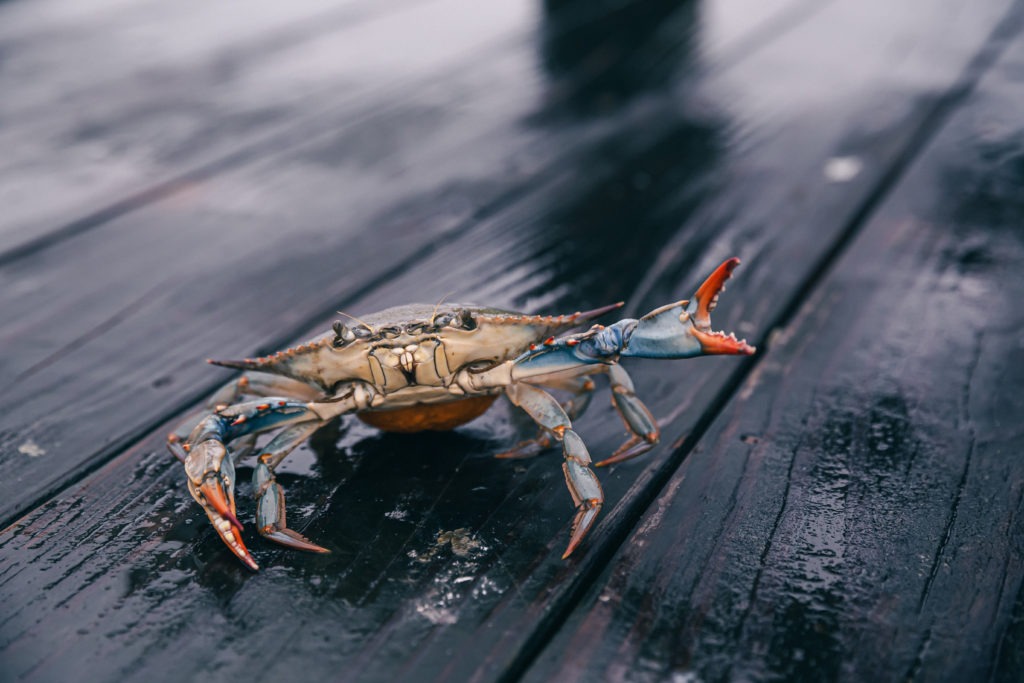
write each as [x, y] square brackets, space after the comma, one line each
[551, 174]
[111, 110]
[855, 512]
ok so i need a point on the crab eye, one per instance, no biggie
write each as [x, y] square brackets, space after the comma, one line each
[465, 321]
[443, 320]
[361, 332]
[342, 335]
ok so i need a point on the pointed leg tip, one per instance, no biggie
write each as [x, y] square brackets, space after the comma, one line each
[586, 515]
[294, 540]
[575, 543]
[630, 449]
[571, 548]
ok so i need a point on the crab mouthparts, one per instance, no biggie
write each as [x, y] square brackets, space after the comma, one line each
[713, 342]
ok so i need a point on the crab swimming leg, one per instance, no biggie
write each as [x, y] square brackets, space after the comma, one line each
[581, 388]
[638, 419]
[579, 478]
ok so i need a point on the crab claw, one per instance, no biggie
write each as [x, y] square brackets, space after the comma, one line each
[683, 329]
[214, 494]
[699, 309]
[211, 481]
[706, 298]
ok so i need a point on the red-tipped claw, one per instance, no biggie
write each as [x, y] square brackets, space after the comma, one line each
[718, 343]
[213, 492]
[707, 295]
[705, 301]
[220, 509]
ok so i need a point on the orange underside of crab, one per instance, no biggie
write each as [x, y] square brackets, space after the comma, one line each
[428, 416]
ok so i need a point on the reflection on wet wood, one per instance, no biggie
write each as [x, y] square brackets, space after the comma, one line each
[543, 159]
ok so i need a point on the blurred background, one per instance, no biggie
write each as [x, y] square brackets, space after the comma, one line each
[194, 179]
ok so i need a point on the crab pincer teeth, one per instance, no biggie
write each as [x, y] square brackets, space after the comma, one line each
[234, 543]
[707, 295]
[213, 492]
[233, 540]
[224, 521]
[719, 343]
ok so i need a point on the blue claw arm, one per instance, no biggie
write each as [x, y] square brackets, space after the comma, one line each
[678, 330]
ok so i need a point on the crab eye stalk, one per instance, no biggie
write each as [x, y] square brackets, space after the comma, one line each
[342, 334]
[465, 321]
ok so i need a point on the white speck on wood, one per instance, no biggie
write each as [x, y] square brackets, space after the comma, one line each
[31, 449]
[842, 169]
[436, 615]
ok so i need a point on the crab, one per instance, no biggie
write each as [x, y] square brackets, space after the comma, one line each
[422, 367]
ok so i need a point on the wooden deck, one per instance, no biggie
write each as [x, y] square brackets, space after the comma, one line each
[191, 179]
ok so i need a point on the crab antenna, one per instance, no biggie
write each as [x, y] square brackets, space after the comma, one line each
[366, 325]
[438, 306]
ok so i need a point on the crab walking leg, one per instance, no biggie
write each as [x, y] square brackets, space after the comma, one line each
[261, 384]
[582, 389]
[635, 414]
[579, 478]
[270, 510]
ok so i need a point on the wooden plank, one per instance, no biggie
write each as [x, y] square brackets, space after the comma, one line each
[118, 574]
[160, 95]
[177, 279]
[159, 92]
[855, 512]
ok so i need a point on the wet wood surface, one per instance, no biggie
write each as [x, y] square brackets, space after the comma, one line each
[842, 506]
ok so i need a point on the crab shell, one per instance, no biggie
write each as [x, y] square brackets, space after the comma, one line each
[410, 353]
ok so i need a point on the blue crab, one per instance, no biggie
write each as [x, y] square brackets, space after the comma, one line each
[422, 367]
